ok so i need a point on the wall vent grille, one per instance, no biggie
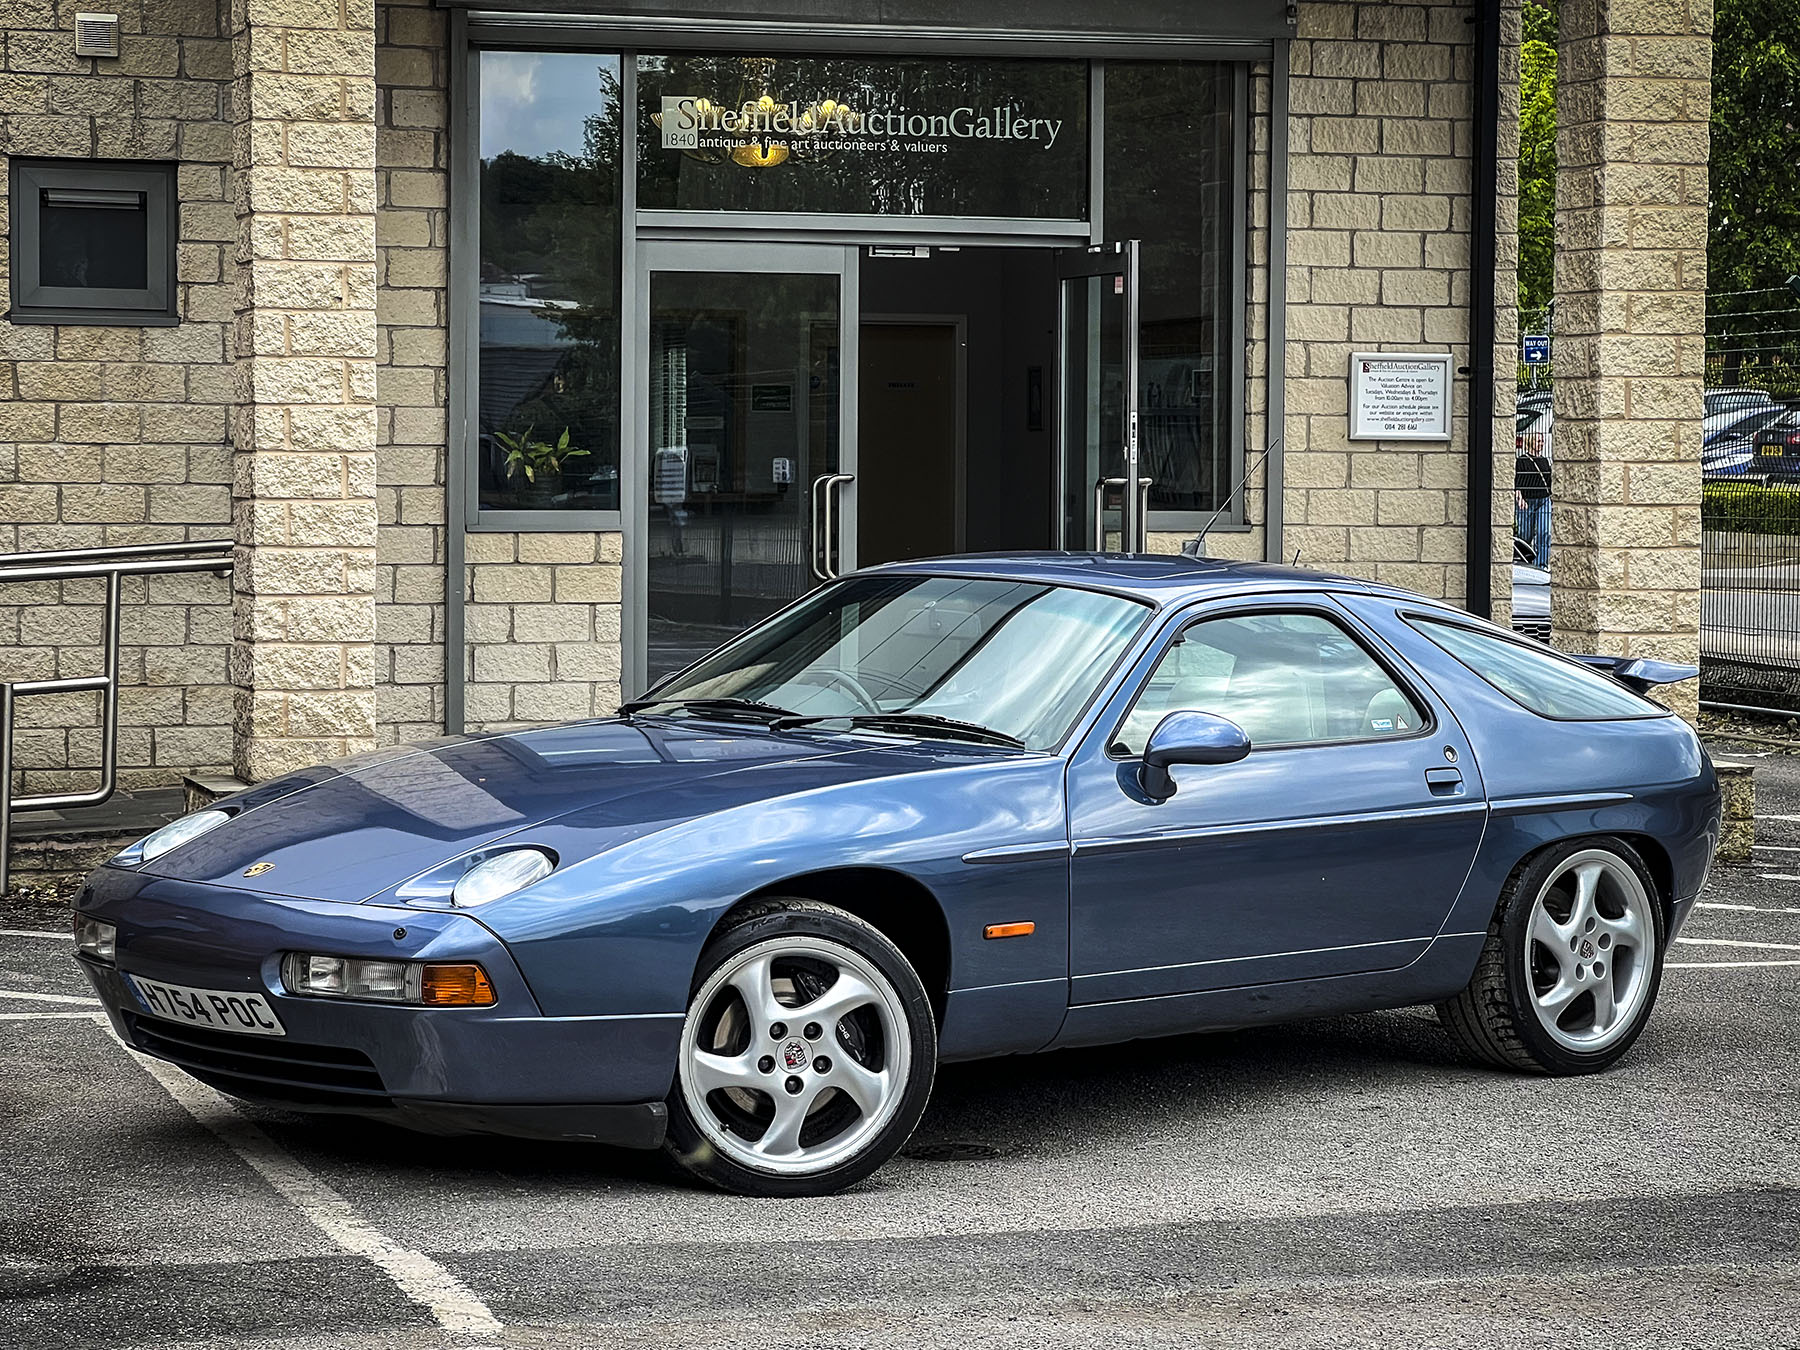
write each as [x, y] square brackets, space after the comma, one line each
[96, 35]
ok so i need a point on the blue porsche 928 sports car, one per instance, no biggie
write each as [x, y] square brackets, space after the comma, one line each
[934, 811]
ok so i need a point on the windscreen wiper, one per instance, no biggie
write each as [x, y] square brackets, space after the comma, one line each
[715, 707]
[920, 724]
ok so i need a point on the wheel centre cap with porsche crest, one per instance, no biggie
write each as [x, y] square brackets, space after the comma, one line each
[795, 1055]
[1587, 948]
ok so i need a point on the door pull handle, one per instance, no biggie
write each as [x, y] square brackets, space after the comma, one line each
[1444, 782]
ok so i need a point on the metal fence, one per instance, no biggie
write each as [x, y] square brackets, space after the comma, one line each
[114, 565]
[1750, 596]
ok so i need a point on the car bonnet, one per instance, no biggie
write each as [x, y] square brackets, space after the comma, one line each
[353, 832]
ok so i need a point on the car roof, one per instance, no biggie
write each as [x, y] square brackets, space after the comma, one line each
[1159, 578]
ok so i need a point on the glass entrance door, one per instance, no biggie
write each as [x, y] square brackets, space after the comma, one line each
[1104, 498]
[747, 437]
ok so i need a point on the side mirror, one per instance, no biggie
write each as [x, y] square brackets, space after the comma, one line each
[1188, 738]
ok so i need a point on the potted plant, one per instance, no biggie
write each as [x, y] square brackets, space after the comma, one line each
[540, 462]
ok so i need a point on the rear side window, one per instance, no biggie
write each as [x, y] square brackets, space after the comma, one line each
[1548, 684]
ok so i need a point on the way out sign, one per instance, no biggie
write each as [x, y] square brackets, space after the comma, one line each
[1400, 396]
[1535, 349]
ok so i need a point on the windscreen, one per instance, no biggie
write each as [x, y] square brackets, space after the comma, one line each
[1018, 657]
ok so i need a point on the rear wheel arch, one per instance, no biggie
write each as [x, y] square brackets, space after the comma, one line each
[901, 907]
[1649, 850]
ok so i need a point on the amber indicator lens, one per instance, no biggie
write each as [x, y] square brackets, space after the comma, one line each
[455, 986]
[1005, 930]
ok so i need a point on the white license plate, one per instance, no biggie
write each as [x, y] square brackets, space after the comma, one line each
[219, 1009]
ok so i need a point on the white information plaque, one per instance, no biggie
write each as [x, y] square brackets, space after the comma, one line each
[1399, 396]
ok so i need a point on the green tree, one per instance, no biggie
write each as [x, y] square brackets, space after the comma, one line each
[1537, 159]
[1753, 233]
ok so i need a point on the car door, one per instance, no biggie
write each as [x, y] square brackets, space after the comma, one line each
[1338, 845]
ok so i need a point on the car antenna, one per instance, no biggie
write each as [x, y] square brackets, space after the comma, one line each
[1196, 547]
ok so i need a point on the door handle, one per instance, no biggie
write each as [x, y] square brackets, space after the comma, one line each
[829, 486]
[1444, 782]
[815, 559]
[1100, 486]
[1143, 515]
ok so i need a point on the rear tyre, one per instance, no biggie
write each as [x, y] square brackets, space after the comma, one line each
[1572, 963]
[807, 1055]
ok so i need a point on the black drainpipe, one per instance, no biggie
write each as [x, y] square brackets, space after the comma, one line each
[1480, 544]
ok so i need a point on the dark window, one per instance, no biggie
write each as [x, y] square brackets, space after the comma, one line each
[1170, 157]
[1549, 684]
[93, 242]
[855, 136]
[548, 423]
[1286, 679]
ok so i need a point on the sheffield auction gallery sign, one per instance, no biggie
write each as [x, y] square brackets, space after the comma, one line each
[693, 123]
[1399, 396]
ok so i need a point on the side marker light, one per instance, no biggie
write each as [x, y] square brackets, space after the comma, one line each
[1006, 930]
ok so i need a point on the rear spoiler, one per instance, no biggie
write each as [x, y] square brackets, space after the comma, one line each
[1639, 673]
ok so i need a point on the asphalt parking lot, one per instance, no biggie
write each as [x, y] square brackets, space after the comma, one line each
[1339, 1182]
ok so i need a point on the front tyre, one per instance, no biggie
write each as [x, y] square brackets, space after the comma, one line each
[1572, 963]
[807, 1055]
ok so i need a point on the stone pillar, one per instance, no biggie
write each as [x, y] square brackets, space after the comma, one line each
[303, 424]
[1634, 85]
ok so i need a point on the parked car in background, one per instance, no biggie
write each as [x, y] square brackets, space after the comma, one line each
[1531, 601]
[1777, 446]
[948, 809]
[1728, 445]
[1719, 402]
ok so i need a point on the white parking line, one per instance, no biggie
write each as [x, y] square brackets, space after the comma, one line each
[420, 1278]
[54, 1016]
[48, 998]
[1722, 965]
[36, 933]
[1748, 909]
[1780, 876]
[1778, 848]
[1734, 942]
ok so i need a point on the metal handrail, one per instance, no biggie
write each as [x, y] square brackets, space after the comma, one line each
[114, 563]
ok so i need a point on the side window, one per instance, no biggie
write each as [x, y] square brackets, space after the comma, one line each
[1544, 682]
[1285, 678]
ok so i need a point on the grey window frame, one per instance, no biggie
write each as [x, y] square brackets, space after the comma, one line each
[33, 302]
[541, 32]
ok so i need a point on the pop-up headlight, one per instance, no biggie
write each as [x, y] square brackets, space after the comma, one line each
[173, 836]
[501, 875]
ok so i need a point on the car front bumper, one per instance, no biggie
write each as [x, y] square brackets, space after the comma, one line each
[503, 1069]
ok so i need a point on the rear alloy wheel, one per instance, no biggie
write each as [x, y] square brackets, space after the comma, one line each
[1572, 963]
[807, 1055]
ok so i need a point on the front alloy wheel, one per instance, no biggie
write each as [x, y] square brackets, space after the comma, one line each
[806, 1057]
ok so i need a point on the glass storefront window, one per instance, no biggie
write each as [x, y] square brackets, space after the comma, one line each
[859, 136]
[548, 423]
[1169, 143]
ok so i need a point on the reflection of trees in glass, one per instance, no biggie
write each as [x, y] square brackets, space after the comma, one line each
[878, 174]
[550, 306]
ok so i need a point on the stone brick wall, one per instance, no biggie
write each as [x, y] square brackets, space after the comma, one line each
[303, 424]
[412, 236]
[1381, 140]
[1634, 85]
[117, 435]
[543, 627]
